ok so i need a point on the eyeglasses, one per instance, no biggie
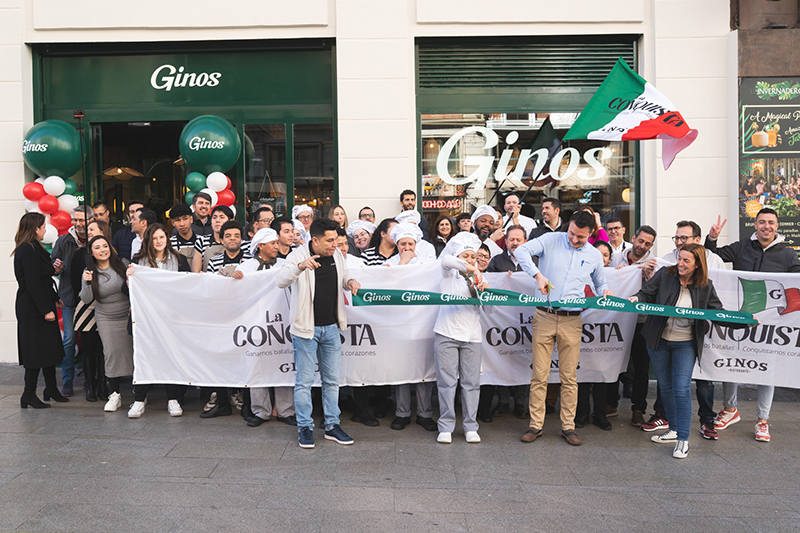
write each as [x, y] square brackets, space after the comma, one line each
[265, 221]
[615, 228]
[683, 238]
[102, 214]
[304, 217]
[483, 256]
[366, 215]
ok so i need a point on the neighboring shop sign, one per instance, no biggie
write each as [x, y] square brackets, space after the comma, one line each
[769, 153]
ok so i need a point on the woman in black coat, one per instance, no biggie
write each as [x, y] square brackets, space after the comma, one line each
[38, 335]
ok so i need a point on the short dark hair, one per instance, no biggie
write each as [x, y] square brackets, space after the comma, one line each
[692, 224]
[646, 229]
[485, 249]
[148, 215]
[340, 232]
[248, 229]
[135, 202]
[383, 227]
[203, 195]
[767, 211]
[320, 226]
[406, 193]
[260, 210]
[512, 194]
[614, 219]
[278, 223]
[555, 202]
[598, 244]
[224, 209]
[231, 224]
[463, 216]
[180, 210]
[583, 219]
[517, 227]
[99, 204]
[365, 207]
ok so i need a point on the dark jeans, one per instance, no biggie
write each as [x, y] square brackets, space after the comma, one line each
[641, 370]
[704, 390]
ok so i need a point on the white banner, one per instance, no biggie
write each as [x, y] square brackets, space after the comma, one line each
[767, 354]
[207, 330]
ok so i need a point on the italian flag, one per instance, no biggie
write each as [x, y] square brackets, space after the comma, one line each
[759, 295]
[628, 108]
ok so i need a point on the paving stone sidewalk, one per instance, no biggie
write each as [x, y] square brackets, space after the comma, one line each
[76, 468]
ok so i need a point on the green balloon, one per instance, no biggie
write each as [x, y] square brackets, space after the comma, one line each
[70, 187]
[189, 197]
[249, 154]
[195, 182]
[210, 144]
[52, 148]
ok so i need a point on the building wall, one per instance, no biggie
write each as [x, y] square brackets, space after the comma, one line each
[683, 51]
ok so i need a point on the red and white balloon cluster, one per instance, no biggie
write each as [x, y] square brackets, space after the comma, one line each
[53, 197]
[217, 185]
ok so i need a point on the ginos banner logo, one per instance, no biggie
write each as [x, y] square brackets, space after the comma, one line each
[166, 77]
[200, 143]
[28, 146]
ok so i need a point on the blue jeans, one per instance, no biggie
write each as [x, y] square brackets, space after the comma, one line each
[325, 349]
[673, 363]
[70, 336]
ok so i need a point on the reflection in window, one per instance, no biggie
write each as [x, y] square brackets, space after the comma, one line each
[265, 170]
[314, 166]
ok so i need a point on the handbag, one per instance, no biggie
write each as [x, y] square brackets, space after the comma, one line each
[84, 317]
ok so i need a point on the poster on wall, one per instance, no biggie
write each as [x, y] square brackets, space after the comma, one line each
[769, 153]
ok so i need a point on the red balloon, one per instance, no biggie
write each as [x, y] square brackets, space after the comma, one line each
[33, 191]
[226, 197]
[63, 232]
[61, 220]
[229, 183]
[48, 204]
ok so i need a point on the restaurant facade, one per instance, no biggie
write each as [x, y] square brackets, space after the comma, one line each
[352, 101]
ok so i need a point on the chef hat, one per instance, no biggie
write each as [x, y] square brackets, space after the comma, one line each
[369, 227]
[299, 227]
[263, 235]
[296, 210]
[404, 229]
[412, 215]
[483, 210]
[460, 243]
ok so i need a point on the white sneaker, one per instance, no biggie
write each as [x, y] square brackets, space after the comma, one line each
[681, 449]
[670, 437]
[472, 437]
[726, 418]
[212, 401]
[445, 437]
[137, 409]
[114, 402]
[762, 432]
[174, 408]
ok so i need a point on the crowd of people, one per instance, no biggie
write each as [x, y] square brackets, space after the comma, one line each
[318, 259]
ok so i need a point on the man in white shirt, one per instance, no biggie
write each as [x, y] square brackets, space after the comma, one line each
[616, 236]
[140, 220]
[512, 207]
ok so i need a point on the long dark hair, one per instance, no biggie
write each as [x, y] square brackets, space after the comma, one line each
[700, 276]
[436, 227]
[383, 227]
[114, 262]
[26, 232]
[149, 251]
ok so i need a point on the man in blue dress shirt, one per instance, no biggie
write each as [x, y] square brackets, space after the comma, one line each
[567, 263]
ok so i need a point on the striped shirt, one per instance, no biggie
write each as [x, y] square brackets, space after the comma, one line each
[224, 265]
[185, 247]
[372, 257]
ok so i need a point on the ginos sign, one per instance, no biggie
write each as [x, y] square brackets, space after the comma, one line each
[593, 157]
[166, 77]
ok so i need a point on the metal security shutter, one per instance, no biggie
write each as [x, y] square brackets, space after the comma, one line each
[479, 69]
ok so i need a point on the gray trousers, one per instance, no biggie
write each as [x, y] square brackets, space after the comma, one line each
[765, 393]
[261, 404]
[402, 397]
[456, 359]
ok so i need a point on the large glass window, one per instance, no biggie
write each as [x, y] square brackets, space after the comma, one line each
[470, 159]
[265, 176]
[314, 164]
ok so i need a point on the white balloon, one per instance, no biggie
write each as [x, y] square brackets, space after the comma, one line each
[31, 206]
[213, 195]
[67, 202]
[233, 209]
[217, 181]
[41, 179]
[54, 185]
[50, 234]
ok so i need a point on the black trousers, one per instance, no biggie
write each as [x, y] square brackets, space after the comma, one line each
[597, 391]
[174, 392]
[641, 371]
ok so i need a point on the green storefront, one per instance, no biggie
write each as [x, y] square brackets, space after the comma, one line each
[136, 99]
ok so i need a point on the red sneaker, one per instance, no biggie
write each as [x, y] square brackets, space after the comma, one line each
[708, 431]
[655, 423]
[726, 418]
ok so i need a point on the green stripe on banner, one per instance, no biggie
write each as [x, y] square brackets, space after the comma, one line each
[511, 298]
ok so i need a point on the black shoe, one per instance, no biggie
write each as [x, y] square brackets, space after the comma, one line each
[102, 391]
[91, 396]
[400, 422]
[66, 390]
[549, 409]
[501, 409]
[380, 412]
[291, 420]
[581, 421]
[485, 416]
[55, 395]
[33, 401]
[365, 418]
[521, 412]
[246, 412]
[217, 411]
[427, 423]
[601, 422]
[255, 421]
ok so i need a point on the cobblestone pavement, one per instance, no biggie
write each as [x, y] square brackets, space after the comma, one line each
[74, 467]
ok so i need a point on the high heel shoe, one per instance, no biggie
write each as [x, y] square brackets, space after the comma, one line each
[33, 401]
[54, 394]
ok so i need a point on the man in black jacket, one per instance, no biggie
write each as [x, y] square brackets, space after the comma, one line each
[551, 216]
[764, 251]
